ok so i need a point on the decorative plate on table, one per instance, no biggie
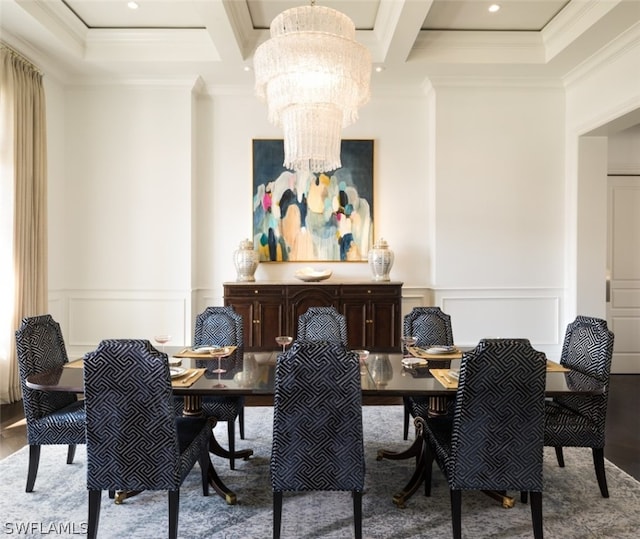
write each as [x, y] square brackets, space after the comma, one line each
[207, 349]
[441, 350]
[413, 361]
[177, 371]
[311, 275]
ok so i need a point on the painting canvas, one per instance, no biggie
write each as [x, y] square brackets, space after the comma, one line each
[308, 216]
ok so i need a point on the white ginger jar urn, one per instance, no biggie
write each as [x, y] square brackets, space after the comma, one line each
[246, 259]
[380, 260]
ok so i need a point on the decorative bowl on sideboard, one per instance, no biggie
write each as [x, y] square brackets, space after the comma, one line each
[310, 275]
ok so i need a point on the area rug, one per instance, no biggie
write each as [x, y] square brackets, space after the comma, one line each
[573, 507]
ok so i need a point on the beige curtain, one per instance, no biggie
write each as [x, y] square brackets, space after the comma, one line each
[23, 207]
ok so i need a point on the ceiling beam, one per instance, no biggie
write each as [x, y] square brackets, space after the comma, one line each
[397, 27]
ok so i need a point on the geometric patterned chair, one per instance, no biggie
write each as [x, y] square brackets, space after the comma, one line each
[135, 441]
[431, 327]
[52, 417]
[317, 425]
[579, 420]
[322, 324]
[494, 441]
[221, 326]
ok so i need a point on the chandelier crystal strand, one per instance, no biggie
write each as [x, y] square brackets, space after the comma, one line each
[313, 76]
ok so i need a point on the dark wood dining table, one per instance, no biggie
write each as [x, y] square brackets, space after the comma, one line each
[252, 374]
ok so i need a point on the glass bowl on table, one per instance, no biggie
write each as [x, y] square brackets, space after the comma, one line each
[407, 342]
[363, 355]
[162, 340]
[284, 341]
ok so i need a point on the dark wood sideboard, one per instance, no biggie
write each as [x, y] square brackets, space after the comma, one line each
[269, 309]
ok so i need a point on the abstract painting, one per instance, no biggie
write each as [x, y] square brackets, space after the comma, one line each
[306, 216]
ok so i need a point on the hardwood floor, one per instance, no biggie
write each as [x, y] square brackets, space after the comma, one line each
[623, 423]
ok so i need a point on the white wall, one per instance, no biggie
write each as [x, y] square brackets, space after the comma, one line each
[475, 191]
[623, 152]
[121, 211]
[498, 260]
[606, 89]
[398, 128]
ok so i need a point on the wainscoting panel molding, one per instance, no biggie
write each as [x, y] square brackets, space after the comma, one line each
[522, 313]
[93, 316]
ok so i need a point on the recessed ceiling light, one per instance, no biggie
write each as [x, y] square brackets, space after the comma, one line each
[494, 7]
[132, 5]
[379, 69]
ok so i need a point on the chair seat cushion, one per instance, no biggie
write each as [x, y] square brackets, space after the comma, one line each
[438, 430]
[192, 433]
[64, 426]
[419, 406]
[567, 428]
[222, 408]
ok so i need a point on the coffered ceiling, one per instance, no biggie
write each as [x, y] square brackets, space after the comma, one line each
[410, 40]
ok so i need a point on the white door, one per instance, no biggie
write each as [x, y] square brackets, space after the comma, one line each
[623, 287]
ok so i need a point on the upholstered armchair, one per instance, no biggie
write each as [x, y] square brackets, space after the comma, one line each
[579, 420]
[52, 417]
[322, 324]
[317, 425]
[431, 327]
[135, 441]
[494, 440]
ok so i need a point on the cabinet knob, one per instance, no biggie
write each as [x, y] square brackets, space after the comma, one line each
[369, 321]
[256, 321]
[368, 291]
[255, 291]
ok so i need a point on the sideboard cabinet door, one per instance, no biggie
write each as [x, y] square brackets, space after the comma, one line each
[263, 312]
[373, 316]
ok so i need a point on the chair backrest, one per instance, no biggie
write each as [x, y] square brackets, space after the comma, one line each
[132, 441]
[498, 422]
[429, 325]
[218, 326]
[322, 324]
[317, 419]
[588, 348]
[40, 347]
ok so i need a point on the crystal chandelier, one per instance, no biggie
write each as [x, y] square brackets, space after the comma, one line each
[313, 75]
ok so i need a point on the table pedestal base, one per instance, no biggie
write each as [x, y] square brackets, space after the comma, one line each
[193, 408]
[419, 474]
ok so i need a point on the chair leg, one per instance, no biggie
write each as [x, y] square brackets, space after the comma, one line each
[560, 457]
[598, 462]
[277, 513]
[204, 468]
[456, 511]
[407, 418]
[231, 432]
[241, 419]
[536, 514]
[174, 507]
[94, 513]
[71, 453]
[34, 460]
[524, 495]
[357, 513]
[428, 468]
